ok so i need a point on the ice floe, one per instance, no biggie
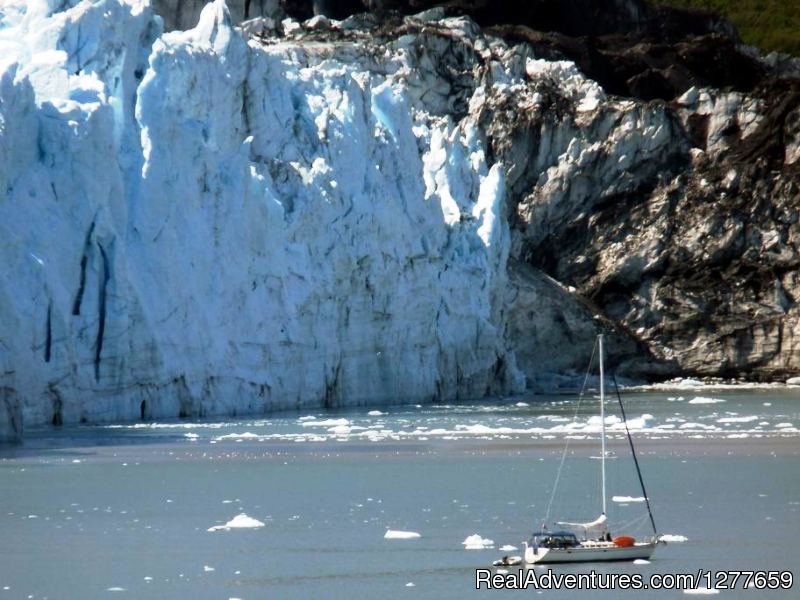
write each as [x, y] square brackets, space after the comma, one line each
[508, 548]
[240, 521]
[626, 499]
[705, 400]
[396, 534]
[476, 542]
[672, 538]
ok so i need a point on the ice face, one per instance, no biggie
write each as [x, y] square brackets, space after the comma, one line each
[192, 225]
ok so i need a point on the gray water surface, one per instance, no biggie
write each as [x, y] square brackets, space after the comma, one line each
[124, 511]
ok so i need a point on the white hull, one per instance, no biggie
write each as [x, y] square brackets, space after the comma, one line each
[582, 554]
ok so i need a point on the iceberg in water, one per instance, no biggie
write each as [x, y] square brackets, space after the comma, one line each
[393, 534]
[672, 538]
[705, 400]
[240, 521]
[476, 542]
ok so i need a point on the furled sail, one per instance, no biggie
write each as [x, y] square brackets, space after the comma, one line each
[599, 522]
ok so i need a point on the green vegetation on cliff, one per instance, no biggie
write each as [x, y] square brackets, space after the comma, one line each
[768, 24]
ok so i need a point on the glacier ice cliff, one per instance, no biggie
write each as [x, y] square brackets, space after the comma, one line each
[232, 220]
[194, 226]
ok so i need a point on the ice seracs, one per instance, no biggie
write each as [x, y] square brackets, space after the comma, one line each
[226, 227]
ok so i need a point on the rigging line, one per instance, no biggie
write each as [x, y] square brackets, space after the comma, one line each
[633, 452]
[566, 445]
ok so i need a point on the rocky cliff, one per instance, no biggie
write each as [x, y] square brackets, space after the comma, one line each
[383, 208]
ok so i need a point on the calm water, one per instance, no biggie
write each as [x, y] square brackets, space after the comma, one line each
[104, 512]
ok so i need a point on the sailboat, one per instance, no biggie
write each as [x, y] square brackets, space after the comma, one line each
[593, 541]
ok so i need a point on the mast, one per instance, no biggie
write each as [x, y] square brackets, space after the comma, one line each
[602, 424]
[633, 453]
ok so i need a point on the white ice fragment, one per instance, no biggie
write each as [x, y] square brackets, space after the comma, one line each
[410, 584]
[375, 413]
[641, 561]
[394, 534]
[238, 436]
[737, 419]
[326, 423]
[705, 400]
[689, 383]
[208, 569]
[241, 521]
[476, 542]
[508, 548]
[627, 499]
[115, 589]
[522, 404]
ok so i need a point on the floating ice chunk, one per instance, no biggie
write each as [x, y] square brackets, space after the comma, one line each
[705, 400]
[395, 534]
[522, 404]
[673, 538]
[783, 425]
[689, 383]
[627, 499]
[207, 569]
[76, 461]
[326, 423]
[410, 584]
[508, 548]
[737, 419]
[238, 436]
[241, 521]
[115, 589]
[307, 418]
[340, 430]
[375, 413]
[476, 542]
[641, 561]
[148, 578]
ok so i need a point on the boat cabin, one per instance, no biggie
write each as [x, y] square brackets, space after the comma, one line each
[554, 539]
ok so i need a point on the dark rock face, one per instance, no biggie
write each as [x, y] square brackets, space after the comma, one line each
[700, 260]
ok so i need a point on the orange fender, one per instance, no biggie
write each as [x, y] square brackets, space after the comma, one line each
[624, 541]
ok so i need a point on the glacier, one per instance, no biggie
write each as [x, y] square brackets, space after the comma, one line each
[388, 208]
[195, 225]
